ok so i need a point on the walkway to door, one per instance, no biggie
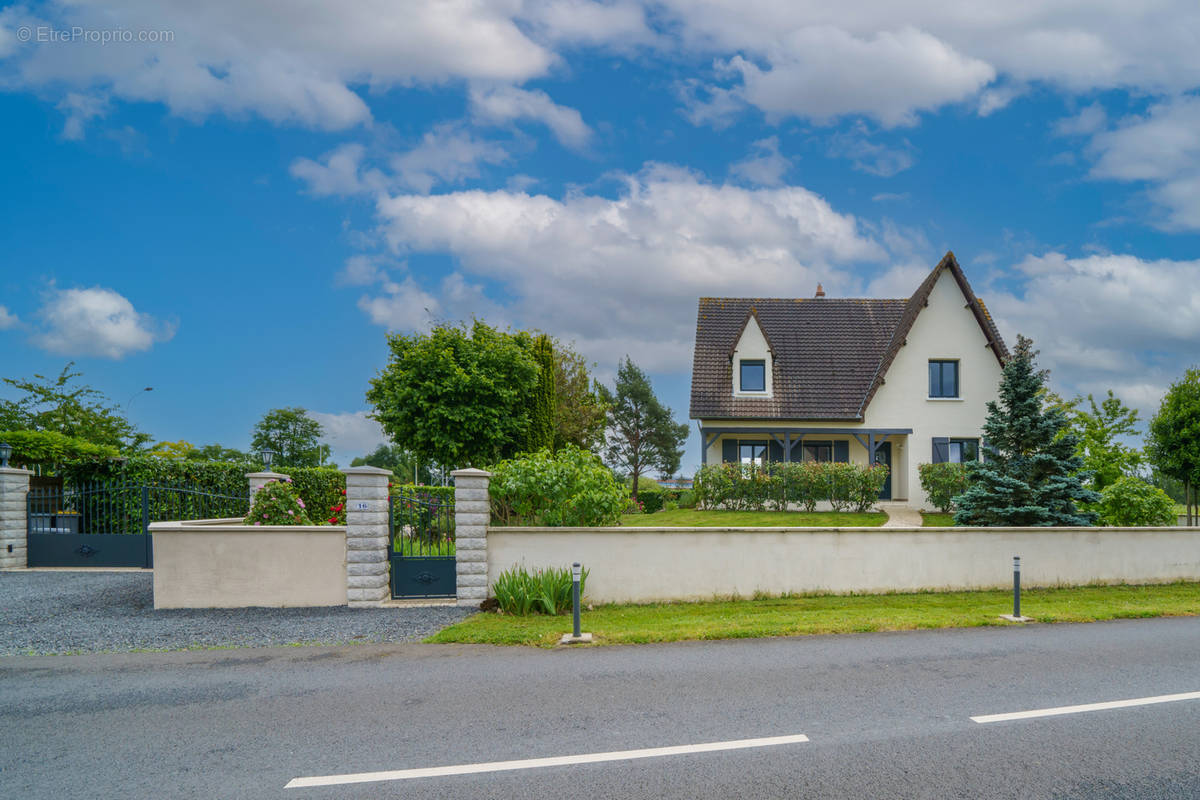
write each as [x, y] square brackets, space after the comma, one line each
[901, 516]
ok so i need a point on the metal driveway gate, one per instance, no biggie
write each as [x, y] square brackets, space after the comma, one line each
[422, 545]
[105, 525]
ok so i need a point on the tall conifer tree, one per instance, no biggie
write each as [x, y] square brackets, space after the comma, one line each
[1031, 474]
[541, 413]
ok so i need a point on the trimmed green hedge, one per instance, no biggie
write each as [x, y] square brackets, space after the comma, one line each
[51, 448]
[743, 487]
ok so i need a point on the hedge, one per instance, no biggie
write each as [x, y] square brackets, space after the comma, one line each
[746, 487]
[51, 448]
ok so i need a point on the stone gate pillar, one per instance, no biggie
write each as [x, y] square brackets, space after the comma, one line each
[258, 480]
[14, 534]
[472, 513]
[367, 536]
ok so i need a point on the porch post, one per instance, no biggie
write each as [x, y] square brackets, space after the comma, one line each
[14, 534]
[367, 536]
[472, 513]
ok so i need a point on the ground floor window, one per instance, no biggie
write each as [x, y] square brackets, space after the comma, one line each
[818, 451]
[955, 451]
[753, 453]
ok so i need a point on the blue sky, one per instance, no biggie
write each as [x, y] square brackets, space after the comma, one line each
[233, 202]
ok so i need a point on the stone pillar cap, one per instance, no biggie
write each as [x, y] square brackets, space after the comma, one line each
[15, 471]
[266, 475]
[366, 471]
[470, 472]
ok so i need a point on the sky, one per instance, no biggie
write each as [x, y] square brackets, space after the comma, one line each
[234, 202]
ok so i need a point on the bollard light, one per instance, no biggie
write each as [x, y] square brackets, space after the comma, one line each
[1016, 587]
[5, 452]
[576, 573]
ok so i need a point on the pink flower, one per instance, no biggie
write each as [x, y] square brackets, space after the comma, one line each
[264, 516]
[300, 502]
[258, 523]
[291, 513]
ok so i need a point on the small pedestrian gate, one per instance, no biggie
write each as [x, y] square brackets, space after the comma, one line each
[105, 525]
[422, 545]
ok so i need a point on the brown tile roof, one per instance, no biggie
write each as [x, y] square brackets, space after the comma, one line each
[830, 355]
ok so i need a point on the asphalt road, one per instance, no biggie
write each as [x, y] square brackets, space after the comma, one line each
[886, 715]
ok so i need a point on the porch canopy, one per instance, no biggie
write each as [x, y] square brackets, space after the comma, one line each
[789, 438]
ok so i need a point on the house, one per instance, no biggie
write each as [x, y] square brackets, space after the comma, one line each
[895, 381]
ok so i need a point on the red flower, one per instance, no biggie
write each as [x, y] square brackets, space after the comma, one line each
[338, 507]
[333, 520]
[343, 491]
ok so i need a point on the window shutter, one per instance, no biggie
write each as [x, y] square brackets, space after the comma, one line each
[941, 449]
[729, 451]
[774, 451]
[841, 451]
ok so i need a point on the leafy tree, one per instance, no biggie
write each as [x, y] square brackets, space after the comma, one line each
[293, 435]
[641, 433]
[541, 414]
[216, 452]
[579, 410]
[457, 397]
[81, 412]
[1031, 475]
[180, 449]
[570, 487]
[1099, 428]
[1174, 437]
[404, 464]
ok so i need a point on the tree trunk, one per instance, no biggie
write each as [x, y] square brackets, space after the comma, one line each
[1187, 499]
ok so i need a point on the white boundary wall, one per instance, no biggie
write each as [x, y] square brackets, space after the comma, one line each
[651, 564]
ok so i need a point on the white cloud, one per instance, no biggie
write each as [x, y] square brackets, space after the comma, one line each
[79, 110]
[1107, 321]
[300, 65]
[1089, 120]
[500, 105]
[1162, 149]
[765, 166]
[618, 275]
[619, 25]
[823, 72]
[96, 322]
[8, 319]
[447, 154]
[349, 434]
[870, 157]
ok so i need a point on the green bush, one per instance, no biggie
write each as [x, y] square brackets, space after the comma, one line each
[652, 501]
[1133, 502]
[324, 492]
[48, 449]
[547, 591]
[943, 482]
[741, 487]
[570, 487]
[687, 499]
[278, 503]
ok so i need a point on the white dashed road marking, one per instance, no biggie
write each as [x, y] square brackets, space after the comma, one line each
[1054, 712]
[537, 763]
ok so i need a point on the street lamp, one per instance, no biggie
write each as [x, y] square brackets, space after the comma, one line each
[5, 452]
[267, 457]
[134, 396]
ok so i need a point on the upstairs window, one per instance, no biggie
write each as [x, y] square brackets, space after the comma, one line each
[754, 376]
[943, 379]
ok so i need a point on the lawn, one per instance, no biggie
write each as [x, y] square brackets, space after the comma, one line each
[791, 616]
[691, 518]
[933, 519]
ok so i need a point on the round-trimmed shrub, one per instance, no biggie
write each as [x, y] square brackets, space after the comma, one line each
[566, 488]
[1132, 502]
[278, 503]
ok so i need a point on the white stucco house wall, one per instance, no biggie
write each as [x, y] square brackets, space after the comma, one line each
[903, 381]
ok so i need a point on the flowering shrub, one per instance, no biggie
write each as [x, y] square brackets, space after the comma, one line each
[278, 503]
[337, 511]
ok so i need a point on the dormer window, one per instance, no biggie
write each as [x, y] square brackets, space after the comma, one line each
[753, 375]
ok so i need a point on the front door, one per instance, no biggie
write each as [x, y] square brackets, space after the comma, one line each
[883, 455]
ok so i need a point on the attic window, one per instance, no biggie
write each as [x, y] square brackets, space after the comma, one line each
[753, 376]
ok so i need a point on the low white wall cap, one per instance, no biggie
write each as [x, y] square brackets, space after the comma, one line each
[470, 472]
[275, 475]
[366, 471]
[15, 471]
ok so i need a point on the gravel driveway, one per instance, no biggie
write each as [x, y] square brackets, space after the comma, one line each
[44, 613]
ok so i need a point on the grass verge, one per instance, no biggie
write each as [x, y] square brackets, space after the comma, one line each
[791, 616]
[933, 519]
[691, 518]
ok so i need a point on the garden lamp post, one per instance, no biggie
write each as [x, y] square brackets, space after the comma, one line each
[267, 457]
[5, 452]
